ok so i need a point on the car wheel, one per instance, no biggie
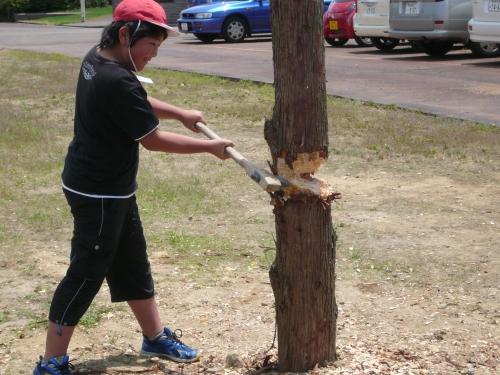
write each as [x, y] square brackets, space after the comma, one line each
[484, 49]
[234, 30]
[363, 42]
[336, 42]
[416, 46]
[435, 48]
[206, 38]
[385, 44]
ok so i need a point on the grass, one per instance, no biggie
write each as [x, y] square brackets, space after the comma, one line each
[95, 314]
[364, 264]
[73, 16]
[4, 317]
[203, 215]
[173, 188]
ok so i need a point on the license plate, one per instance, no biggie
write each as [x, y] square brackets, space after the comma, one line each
[494, 6]
[412, 8]
[370, 10]
[333, 24]
[184, 26]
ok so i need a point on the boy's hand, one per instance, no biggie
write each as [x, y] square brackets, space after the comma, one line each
[218, 147]
[190, 117]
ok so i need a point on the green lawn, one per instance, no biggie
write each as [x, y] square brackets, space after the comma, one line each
[73, 16]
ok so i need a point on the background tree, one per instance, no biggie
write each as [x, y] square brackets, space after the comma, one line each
[303, 273]
[8, 8]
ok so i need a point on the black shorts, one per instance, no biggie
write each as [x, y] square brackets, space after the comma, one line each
[108, 242]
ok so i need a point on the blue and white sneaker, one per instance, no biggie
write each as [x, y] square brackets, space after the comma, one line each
[168, 345]
[54, 366]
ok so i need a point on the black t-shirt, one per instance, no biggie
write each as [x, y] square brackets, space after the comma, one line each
[111, 114]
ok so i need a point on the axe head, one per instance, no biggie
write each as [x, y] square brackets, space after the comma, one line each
[268, 181]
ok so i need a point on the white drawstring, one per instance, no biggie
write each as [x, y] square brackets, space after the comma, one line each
[130, 42]
[61, 322]
[102, 217]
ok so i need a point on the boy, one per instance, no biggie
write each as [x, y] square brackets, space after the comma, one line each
[113, 114]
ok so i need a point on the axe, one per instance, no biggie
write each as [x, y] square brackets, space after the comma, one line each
[267, 181]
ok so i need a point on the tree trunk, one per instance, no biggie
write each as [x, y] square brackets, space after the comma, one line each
[303, 273]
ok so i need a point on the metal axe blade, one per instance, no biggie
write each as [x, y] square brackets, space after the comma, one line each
[266, 180]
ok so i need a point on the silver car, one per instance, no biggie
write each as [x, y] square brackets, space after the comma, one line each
[436, 25]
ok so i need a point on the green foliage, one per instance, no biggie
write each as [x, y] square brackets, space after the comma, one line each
[9, 7]
[45, 5]
[88, 3]
[98, 3]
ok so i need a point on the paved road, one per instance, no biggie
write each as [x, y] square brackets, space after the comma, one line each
[456, 85]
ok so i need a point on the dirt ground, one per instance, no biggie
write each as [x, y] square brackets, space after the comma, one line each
[417, 289]
[418, 266]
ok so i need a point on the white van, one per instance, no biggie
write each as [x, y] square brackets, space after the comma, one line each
[372, 20]
[484, 26]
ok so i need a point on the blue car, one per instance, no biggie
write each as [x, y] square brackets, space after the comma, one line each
[231, 20]
[192, 3]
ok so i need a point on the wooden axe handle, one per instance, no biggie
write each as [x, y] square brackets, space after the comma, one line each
[231, 151]
[265, 179]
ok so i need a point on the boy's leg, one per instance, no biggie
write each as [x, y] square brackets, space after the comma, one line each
[57, 345]
[71, 300]
[130, 280]
[147, 315]
[129, 277]
[97, 228]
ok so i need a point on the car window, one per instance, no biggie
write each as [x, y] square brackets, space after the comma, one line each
[200, 2]
[342, 1]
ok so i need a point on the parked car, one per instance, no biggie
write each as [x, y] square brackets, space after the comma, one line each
[372, 20]
[192, 3]
[338, 26]
[436, 26]
[485, 23]
[231, 20]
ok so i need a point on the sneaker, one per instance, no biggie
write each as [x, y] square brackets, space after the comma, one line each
[169, 345]
[54, 366]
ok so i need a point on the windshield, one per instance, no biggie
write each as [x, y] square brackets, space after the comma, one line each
[208, 1]
[342, 1]
[200, 2]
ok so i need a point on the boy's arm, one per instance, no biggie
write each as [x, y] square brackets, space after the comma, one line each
[189, 117]
[180, 144]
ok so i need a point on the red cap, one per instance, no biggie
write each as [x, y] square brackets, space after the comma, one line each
[143, 10]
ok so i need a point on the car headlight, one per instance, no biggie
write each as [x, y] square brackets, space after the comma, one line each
[203, 15]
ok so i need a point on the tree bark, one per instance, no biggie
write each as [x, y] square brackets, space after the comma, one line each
[303, 273]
